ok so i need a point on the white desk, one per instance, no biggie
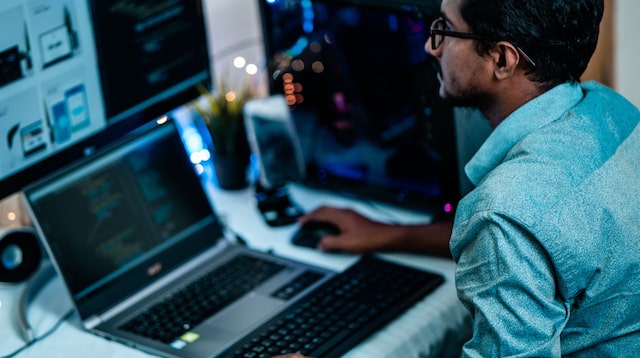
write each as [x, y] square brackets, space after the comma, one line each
[436, 325]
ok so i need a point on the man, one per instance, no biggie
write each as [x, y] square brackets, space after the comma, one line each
[547, 243]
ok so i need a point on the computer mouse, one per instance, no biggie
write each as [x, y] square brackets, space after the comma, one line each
[311, 232]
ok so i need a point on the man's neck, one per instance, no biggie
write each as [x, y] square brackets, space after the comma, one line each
[510, 96]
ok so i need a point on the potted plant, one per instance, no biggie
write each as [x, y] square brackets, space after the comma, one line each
[222, 113]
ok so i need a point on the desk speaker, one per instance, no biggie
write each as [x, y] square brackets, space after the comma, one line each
[20, 254]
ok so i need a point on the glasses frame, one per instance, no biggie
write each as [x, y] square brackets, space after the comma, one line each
[433, 32]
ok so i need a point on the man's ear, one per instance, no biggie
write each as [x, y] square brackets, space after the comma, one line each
[502, 60]
[506, 58]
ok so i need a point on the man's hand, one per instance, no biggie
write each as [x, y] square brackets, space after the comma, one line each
[358, 234]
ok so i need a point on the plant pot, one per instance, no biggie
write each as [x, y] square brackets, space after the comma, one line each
[231, 171]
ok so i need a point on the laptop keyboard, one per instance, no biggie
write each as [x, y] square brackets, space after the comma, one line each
[342, 312]
[191, 305]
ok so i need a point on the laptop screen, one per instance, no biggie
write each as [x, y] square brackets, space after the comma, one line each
[124, 217]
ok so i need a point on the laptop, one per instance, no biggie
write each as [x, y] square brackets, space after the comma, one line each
[130, 226]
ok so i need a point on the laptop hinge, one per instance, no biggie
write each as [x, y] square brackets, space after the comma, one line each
[92, 322]
[194, 263]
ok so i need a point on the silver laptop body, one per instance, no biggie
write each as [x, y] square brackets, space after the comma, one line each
[130, 225]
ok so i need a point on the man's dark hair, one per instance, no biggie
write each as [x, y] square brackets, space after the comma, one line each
[560, 36]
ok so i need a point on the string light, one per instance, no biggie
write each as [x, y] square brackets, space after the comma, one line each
[251, 69]
[239, 62]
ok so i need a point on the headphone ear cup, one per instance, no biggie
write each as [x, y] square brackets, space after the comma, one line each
[20, 254]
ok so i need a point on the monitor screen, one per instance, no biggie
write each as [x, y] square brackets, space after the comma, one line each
[77, 74]
[363, 94]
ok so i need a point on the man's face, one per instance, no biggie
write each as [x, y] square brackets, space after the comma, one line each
[464, 75]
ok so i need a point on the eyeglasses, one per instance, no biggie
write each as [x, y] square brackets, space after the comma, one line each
[438, 31]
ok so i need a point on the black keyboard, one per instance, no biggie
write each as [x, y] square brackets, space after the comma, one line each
[182, 310]
[342, 312]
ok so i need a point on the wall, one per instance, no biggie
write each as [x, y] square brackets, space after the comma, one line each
[236, 30]
[627, 49]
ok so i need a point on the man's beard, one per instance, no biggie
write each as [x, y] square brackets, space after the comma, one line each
[470, 99]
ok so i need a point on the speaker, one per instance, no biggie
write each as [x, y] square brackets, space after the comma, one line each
[20, 254]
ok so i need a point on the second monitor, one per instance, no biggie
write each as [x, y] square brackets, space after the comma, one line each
[363, 95]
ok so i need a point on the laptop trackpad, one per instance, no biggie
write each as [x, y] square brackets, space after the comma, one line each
[231, 324]
[244, 314]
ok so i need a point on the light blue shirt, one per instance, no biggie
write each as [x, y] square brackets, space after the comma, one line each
[548, 243]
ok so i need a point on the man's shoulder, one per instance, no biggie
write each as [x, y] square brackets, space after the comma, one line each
[520, 188]
[603, 99]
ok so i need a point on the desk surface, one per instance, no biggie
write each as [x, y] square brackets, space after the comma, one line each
[437, 323]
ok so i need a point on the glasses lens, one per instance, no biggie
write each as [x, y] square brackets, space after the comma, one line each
[436, 38]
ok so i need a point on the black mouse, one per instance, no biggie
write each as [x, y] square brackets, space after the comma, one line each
[310, 233]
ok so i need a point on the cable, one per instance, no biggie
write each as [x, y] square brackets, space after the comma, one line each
[35, 284]
[55, 327]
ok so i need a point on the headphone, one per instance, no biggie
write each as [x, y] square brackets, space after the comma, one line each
[20, 254]
[20, 258]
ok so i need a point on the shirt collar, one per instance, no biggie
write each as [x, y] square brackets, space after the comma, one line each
[532, 115]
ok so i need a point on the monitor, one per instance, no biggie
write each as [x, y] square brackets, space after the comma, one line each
[77, 74]
[364, 98]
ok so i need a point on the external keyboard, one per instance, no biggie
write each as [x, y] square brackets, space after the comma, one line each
[333, 318]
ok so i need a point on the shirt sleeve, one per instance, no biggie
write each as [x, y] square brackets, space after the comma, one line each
[506, 280]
